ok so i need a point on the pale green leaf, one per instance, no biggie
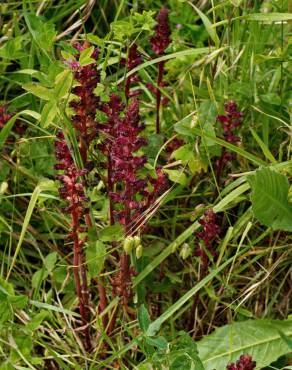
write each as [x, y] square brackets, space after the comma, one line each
[63, 83]
[258, 338]
[95, 257]
[270, 199]
[38, 90]
[177, 176]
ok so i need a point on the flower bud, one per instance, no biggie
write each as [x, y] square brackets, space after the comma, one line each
[137, 241]
[139, 251]
[128, 244]
[185, 251]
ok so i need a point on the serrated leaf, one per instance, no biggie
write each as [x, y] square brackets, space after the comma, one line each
[143, 318]
[259, 338]
[38, 90]
[270, 199]
[95, 257]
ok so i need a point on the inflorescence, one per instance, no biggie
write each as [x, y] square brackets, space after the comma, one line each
[245, 362]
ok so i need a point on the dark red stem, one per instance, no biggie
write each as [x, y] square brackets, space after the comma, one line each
[80, 288]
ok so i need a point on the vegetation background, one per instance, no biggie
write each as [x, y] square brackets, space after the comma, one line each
[196, 303]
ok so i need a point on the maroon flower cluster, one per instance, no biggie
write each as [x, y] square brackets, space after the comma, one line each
[230, 121]
[133, 60]
[245, 362]
[121, 144]
[85, 108]
[72, 189]
[159, 42]
[210, 231]
[161, 39]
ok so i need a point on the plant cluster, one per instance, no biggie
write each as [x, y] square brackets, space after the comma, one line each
[144, 185]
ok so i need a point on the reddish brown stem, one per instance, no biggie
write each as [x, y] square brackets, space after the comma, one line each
[110, 189]
[158, 95]
[80, 288]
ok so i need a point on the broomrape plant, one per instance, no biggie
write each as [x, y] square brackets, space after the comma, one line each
[138, 230]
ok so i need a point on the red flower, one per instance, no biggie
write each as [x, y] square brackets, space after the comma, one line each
[161, 39]
[245, 362]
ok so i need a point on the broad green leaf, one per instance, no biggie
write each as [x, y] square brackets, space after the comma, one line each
[143, 318]
[38, 90]
[95, 257]
[270, 199]
[259, 338]
[111, 233]
[85, 56]
[49, 113]
[63, 83]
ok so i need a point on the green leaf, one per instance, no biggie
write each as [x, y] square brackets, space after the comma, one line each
[94, 39]
[208, 25]
[95, 257]
[85, 56]
[43, 32]
[63, 83]
[50, 261]
[155, 325]
[111, 233]
[49, 113]
[18, 302]
[159, 342]
[270, 199]
[37, 320]
[38, 90]
[259, 338]
[25, 224]
[270, 17]
[38, 277]
[143, 318]
[177, 176]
